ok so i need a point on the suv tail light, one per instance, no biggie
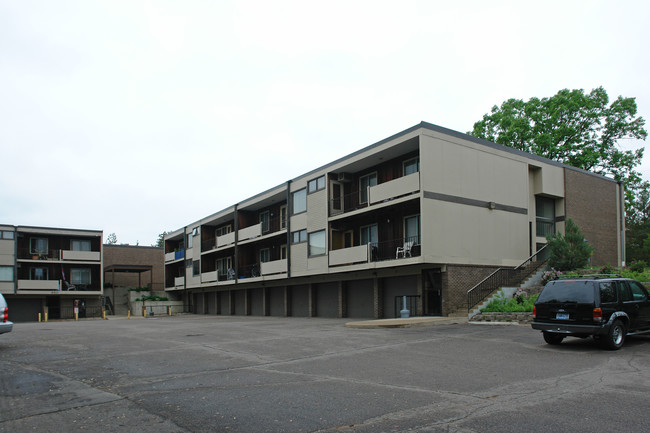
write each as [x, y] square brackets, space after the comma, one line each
[598, 315]
[534, 312]
[5, 315]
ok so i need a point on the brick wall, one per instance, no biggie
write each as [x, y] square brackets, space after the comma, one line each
[457, 281]
[135, 255]
[592, 204]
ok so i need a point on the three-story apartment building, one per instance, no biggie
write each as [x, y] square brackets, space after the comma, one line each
[50, 270]
[426, 213]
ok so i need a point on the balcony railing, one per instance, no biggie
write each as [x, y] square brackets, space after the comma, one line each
[249, 271]
[376, 251]
[90, 256]
[55, 286]
[251, 232]
[394, 188]
[274, 267]
[376, 194]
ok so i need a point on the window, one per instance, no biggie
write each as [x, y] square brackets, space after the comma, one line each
[316, 184]
[190, 241]
[80, 245]
[283, 216]
[364, 183]
[6, 273]
[638, 293]
[545, 216]
[412, 229]
[223, 230]
[265, 219]
[369, 235]
[283, 252]
[299, 201]
[80, 276]
[196, 267]
[38, 273]
[411, 166]
[38, 246]
[188, 263]
[223, 265]
[607, 292]
[317, 243]
[265, 255]
[6, 234]
[298, 236]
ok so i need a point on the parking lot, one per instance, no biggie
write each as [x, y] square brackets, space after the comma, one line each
[268, 374]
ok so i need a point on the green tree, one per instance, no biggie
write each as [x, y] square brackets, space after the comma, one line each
[569, 251]
[637, 225]
[572, 127]
[111, 239]
[161, 240]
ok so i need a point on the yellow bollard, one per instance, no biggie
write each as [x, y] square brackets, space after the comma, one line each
[39, 317]
[169, 310]
[104, 314]
[46, 317]
[76, 316]
[128, 315]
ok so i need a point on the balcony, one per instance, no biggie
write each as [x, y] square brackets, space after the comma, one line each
[400, 187]
[207, 277]
[251, 232]
[86, 256]
[347, 256]
[394, 188]
[174, 255]
[54, 286]
[179, 281]
[274, 267]
[227, 239]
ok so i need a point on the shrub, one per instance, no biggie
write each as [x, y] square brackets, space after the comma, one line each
[638, 266]
[570, 251]
[517, 304]
[553, 274]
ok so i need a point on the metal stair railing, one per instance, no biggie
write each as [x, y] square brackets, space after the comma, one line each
[502, 277]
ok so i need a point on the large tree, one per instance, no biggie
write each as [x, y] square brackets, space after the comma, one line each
[573, 127]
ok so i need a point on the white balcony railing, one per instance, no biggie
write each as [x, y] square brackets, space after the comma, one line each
[349, 255]
[394, 188]
[51, 285]
[88, 256]
[207, 277]
[179, 281]
[274, 267]
[250, 232]
[227, 239]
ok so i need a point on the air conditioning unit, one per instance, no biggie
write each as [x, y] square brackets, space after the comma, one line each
[345, 177]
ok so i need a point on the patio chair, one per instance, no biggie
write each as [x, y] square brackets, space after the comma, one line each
[404, 250]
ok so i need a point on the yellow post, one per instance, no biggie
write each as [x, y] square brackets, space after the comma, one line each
[128, 315]
[46, 317]
[104, 314]
[169, 310]
[76, 316]
[39, 317]
[144, 311]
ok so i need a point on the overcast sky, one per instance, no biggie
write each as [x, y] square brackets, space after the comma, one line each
[136, 117]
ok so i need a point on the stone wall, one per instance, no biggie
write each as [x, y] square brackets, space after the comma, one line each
[503, 317]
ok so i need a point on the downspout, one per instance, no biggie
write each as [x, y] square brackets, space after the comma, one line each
[236, 244]
[622, 220]
[289, 207]
[15, 260]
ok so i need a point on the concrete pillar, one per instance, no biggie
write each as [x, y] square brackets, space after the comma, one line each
[231, 303]
[217, 302]
[312, 299]
[266, 302]
[378, 298]
[287, 301]
[343, 300]
[420, 291]
[247, 302]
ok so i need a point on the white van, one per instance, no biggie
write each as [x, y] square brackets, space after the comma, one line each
[5, 324]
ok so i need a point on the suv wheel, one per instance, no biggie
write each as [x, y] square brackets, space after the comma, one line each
[615, 337]
[553, 339]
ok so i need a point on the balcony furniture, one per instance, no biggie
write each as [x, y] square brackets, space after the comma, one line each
[404, 250]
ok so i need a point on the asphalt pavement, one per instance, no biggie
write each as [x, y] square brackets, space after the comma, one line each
[268, 374]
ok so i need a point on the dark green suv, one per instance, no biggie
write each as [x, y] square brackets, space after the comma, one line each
[606, 307]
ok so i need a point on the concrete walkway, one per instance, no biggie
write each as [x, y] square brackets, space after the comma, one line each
[406, 323]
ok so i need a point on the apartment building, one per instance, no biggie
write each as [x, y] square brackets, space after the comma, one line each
[425, 214]
[51, 270]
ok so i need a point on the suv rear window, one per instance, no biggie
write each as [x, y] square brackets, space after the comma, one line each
[568, 291]
[607, 291]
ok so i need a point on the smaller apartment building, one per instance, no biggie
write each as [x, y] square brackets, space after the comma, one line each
[427, 214]
[51, 270]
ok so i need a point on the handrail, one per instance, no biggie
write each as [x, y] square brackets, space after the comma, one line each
[498, 278]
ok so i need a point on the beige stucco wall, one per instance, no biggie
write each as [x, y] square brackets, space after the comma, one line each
[454, 231]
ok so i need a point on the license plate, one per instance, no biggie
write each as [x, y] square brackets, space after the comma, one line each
[562, 316]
